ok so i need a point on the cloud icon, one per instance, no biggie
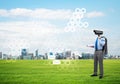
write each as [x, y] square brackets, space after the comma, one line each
[75, 22]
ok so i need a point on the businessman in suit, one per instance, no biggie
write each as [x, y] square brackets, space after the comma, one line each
[98, 54]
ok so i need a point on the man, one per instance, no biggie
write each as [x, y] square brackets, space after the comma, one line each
[98, 54]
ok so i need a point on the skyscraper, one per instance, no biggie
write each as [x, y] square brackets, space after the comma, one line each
[36, 53]
[51, 55]
[0, 55]
[24, 52]
[68, 54]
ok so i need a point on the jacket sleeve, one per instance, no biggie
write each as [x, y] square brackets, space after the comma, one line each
[102, 41]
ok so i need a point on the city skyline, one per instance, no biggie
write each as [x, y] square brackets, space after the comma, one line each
[40, 24]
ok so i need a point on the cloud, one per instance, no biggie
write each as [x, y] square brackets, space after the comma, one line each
[28, 27]
[40, 32]
[3, 12]
[35, 30]
[95, 14]
[40, 13]
[26, 31]
[41, 35]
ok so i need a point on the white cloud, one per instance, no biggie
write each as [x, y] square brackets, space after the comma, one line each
[28, 27]
[19, 12]
[95, 14]
[42, 33]
[30, 33]
[3, 12]
[40, 13]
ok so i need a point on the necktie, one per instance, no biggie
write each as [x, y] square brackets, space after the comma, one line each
[96, 44]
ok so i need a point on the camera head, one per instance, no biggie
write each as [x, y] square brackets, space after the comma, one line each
[98, 32]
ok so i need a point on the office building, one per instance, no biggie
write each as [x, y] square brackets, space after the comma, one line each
[68, 54]
[36, 53]
[0, 55]
[51, 55]
[24, 53]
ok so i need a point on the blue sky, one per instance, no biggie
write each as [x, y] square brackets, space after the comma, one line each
[21, 18]
[58, 4]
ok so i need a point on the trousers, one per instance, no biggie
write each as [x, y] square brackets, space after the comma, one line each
[98, 58]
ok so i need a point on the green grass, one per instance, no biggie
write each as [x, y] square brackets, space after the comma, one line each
[68, 72]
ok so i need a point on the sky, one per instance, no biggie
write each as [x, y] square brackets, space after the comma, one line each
[58, 25]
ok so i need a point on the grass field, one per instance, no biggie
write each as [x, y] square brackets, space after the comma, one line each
[68, 72]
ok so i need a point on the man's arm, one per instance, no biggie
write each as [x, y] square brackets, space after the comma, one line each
[91, 46]
[102, 41]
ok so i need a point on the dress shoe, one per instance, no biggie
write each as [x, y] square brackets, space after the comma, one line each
[93, 75]
[100, 77]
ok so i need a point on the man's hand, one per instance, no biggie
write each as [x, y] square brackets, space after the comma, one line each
[90, 46]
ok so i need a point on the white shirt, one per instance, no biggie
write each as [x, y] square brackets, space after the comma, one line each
[100, 43]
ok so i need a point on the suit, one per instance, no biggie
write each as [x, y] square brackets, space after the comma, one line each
[98, 55]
